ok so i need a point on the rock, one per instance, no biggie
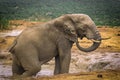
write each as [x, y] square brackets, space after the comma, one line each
[116, 55]
[114, 65]
[81, 64]
[95, 62]
[98, 66]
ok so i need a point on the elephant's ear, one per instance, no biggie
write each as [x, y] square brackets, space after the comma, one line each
[67, 28]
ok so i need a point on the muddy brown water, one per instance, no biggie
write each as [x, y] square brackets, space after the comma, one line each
[6, 71]
[94, 61]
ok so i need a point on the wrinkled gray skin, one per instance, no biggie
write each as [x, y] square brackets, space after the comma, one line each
[37, 45]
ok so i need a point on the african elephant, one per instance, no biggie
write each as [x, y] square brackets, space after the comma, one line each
[37, 45]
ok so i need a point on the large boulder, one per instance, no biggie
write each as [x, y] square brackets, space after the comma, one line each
[96, 61]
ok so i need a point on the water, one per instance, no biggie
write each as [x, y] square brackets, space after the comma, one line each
[5, 71]
[11, 33]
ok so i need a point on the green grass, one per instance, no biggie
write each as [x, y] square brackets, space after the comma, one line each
[4, 23]
[103, 12]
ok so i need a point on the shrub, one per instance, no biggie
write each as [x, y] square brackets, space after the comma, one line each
[4, 23]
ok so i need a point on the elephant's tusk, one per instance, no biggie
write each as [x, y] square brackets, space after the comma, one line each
[105, 38]
[97, 41]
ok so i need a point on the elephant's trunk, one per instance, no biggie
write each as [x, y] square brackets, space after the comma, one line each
[94, 46]
[96, 42]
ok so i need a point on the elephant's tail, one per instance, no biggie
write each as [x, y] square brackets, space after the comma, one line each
[11, 48]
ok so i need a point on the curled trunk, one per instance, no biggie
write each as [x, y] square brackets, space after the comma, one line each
[93, 47]
[96, 42]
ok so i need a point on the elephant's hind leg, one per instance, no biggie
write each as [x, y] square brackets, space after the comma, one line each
[31, 71]
[31, 64]
[16, 68]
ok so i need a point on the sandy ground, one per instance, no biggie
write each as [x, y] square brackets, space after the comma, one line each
[110, 46]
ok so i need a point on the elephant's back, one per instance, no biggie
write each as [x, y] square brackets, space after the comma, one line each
[37, 35]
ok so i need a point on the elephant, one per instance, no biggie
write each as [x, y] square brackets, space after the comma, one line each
[53, 39]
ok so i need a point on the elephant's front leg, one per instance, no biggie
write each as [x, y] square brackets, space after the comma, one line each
[57, 65]
[65, 62]
[64, 57]
[62, 66]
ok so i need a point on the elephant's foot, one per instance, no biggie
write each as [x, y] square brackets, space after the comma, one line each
[17, 70]
[56, 72]
[16, 76]
[31, 72]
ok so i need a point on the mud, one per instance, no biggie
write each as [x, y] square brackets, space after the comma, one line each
[5, 72]
[80, 62]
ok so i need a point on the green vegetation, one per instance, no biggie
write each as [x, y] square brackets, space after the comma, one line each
[103, 12]
[3, 23]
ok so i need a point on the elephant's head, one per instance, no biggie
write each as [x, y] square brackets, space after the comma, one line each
[79, 26]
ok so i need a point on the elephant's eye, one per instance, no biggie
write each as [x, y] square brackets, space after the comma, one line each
[81, 29]
[77, 22]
